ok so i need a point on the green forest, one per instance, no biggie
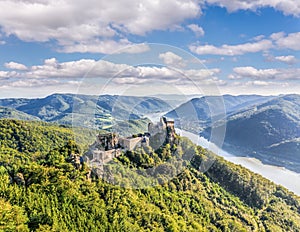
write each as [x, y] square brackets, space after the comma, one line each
[41, 190]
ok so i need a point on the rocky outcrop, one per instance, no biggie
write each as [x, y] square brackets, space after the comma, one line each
[76, 160]
[161, 133]
[19, 179]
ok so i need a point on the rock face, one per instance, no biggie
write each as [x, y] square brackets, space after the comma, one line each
[102, 151]
[162, 132]
[170, 130]
[19, 179]
[76, 160]
[107, 141]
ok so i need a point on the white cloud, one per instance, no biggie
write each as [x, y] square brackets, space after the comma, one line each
[202, 74]
[134, 48]
[278, 40]
[258, 38]
[50, 62]
[251, 72]
[21, 83]
[35, 87]
[291, 41]
[4, 74]
[151, 75]
[63, 72]
[105, 46]
[88, 25]
[103, 26]
[272, 86]
[54, 76]
[9, 74]
[261, 88]
[232, 50]
[288, 7]
[289, 59]
[196, 29]
[265, 74]
[286, 59]
[259, 83]
[53, 69]
[170, 58]
[277, 35]
[16, 66]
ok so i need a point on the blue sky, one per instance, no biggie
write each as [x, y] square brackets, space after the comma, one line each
[141, 47]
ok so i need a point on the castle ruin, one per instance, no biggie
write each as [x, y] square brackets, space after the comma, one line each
[109, 146]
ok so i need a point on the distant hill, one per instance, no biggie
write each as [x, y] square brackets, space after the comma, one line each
[103, 111]
[6, 112]
[58, 106]
[197, 113]
[176, 99]
[269, 131]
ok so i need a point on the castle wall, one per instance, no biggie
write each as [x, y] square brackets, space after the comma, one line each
[107, 145]
[130, 143]
[103, 157]
[107, 141]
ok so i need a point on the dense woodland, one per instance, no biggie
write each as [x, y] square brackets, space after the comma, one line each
[40, 190]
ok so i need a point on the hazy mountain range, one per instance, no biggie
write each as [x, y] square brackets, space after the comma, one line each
[198, 112]
[267, 128]
[57, 107]
[103, 111]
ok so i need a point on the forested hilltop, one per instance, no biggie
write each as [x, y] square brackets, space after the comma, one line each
[41, 190]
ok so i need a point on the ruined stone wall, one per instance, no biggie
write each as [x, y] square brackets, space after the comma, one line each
[107, 141]
[130, 143]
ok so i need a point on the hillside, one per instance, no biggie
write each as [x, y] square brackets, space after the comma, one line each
[266, 128]
[123, 114]
[268, 131]
[197, 113]
[40, 190]
[6, 112]
[62, 108]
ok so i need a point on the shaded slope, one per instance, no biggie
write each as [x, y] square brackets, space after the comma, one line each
[196, 114]
[268, 131]
[109, 112]
[58, 106]
[6, 112]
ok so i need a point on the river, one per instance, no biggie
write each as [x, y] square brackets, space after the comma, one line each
[279, 175]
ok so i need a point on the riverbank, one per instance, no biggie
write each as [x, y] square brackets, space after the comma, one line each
[279, 175]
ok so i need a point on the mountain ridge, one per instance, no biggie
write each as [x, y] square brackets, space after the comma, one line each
[103, 111]
[268, 131]
[271, 136]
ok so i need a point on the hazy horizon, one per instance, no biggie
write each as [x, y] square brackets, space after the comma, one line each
[162, 96]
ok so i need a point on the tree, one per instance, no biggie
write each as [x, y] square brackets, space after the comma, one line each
[12, 218]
